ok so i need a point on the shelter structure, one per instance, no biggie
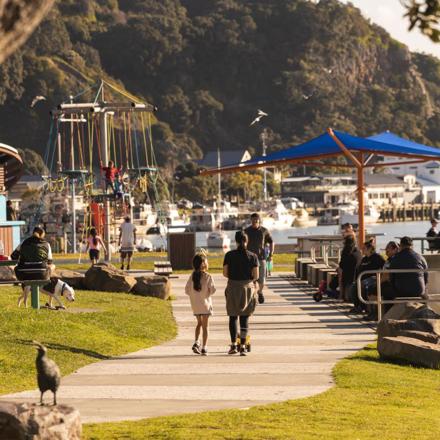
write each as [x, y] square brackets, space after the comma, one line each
[359, 154]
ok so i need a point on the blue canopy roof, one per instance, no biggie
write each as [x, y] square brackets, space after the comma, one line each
[324, 145]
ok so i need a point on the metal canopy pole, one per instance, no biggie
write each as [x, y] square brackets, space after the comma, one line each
[104, 147]
[361, 207]
[72, 186]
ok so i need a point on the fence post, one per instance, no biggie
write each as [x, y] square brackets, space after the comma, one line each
[379, 297]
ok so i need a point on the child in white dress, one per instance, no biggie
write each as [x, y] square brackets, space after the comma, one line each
[199, 288]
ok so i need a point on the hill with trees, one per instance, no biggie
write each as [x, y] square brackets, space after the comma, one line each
[209, 65]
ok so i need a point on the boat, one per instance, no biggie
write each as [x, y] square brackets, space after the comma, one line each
[277, 217]
[202, 220]
[174, 222]
[218, 239]
[371, 216]
[303, 220]
[332, 215]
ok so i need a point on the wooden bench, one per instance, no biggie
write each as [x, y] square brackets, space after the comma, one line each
[35, 284]
[163, 268]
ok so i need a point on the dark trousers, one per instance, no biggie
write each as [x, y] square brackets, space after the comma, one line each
[244, 327]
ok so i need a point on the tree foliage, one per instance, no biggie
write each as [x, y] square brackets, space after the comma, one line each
[209, 65]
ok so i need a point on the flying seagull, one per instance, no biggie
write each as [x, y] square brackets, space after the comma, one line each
[306, 97]
[260, 114]
[36, 99]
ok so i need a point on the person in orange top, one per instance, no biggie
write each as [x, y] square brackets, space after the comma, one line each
[110, 175]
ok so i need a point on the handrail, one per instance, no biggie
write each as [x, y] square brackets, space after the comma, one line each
[422, 299]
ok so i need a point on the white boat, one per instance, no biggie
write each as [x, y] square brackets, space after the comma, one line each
[174, 222]
[332, 215]
[371, 216]
[202, 220]
[277, 217]
[218, 239]
[303, 220]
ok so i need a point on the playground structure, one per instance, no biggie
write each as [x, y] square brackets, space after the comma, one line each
[84, 137]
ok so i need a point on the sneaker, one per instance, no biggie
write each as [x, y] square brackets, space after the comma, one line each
[243, 350]
[204, 352]
[196, 348]
[233, 349]
[260, 298]
[122, 267]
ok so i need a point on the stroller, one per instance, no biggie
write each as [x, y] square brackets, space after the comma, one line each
[331, 291]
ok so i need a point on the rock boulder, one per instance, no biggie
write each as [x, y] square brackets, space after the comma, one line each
[22, 421]
[74, 279]
[155, 286]
[411, 350]
[105, 277]
[7, 273]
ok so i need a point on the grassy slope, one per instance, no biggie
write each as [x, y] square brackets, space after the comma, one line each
[122, 323]
[372, 400]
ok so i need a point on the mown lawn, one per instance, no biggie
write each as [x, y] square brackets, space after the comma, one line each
[282, 262]
[116, 323]
[372, 400]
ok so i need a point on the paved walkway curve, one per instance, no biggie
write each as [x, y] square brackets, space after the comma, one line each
[296, 342]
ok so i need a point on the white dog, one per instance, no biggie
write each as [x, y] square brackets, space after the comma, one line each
[55, 288]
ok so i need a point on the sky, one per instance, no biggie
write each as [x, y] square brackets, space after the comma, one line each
[389, 15]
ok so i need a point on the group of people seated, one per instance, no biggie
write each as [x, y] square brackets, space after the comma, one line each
[355, 261]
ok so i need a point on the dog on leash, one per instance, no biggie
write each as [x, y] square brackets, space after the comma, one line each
[55, 289]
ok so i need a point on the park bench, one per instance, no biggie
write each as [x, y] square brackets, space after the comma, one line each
[35, 284]
[163, 268]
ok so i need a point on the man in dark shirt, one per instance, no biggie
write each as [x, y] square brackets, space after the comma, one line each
[408, 284]
[259, 236]
[434, 245]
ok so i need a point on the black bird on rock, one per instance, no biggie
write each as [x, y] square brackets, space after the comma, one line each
[48, 373]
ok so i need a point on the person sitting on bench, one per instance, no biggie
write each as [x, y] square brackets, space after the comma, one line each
[34, 257]
[433, 245]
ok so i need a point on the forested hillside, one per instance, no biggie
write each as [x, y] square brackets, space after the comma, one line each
[210, 64]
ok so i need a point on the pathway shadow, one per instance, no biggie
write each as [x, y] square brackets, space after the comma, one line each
[61, 347]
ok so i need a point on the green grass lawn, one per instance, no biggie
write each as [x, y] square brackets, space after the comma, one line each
[121, 323]
[372, 400]
[282, 262]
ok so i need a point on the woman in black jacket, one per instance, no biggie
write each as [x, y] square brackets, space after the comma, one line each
[370, 261]
[350, 259]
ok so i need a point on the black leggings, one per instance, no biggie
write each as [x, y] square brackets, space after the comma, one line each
[244, 325]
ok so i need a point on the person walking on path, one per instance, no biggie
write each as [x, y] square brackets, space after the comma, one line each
[258, 237]
[408, 284]
[200, 287]
[241, 268]
[127, 241]
[94, 245]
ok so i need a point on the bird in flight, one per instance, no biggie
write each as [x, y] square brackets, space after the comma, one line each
[36, 99]
[306, 97]
[327, 70]
[260, 114]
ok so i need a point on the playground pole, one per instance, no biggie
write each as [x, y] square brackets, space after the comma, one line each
[72, 186]
[104, 147]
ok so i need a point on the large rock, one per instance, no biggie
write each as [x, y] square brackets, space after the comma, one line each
[424, 329]
[411, 350]
[74, 279]
[403, 310]
[7, 273]
[105, 277]
[156, 286]
[22, 421]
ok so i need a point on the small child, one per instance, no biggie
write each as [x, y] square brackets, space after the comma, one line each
[94, 244]
[269, 261]
[199, 288]
[110, 173]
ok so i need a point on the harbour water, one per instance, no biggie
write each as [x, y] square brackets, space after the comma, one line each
[391, 231]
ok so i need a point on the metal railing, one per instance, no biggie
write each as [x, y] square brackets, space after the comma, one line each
[398, 300]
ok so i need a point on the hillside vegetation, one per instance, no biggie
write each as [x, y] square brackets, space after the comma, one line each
[208, 65]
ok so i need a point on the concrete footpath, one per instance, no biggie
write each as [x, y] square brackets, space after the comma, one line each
[295, 344]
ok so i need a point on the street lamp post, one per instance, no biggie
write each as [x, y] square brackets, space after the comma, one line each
[263, 137]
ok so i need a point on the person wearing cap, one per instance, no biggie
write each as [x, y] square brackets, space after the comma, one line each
[258, 238]
[34, 257]
[408, 284]
[434, 245]
[127, 241]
